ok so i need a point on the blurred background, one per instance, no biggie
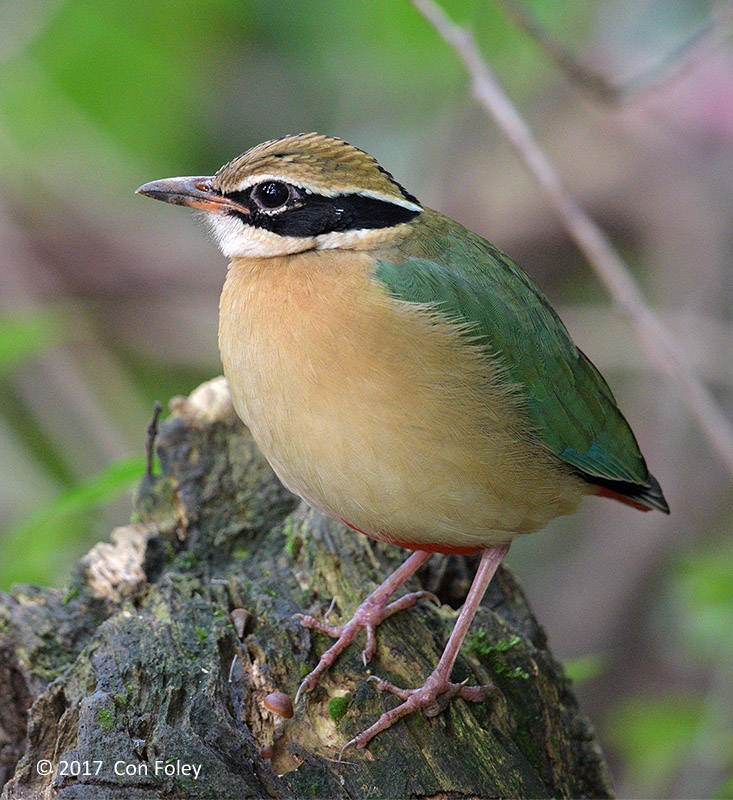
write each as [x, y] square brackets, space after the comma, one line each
[109, 301]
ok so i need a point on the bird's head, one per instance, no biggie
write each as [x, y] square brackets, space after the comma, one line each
[296, 193]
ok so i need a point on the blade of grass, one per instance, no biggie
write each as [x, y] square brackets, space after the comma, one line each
[53, 520]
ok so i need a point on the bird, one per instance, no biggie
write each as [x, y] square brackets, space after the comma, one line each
[403, 375]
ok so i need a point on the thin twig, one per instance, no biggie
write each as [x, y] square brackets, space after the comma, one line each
[151, 432]
[657, 341]
[711, 34]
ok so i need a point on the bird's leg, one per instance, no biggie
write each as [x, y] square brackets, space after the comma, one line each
[437, 690]
[367, 616]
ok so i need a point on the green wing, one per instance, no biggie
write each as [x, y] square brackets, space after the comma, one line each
[568, 401]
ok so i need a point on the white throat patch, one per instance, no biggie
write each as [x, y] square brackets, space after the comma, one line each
[237, 239]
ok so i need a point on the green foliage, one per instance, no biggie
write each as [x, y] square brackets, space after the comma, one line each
[662, 736]
[57, 520]
[23, 336]
[725, 790]
[652, 734]
[71, 595]
[585, 668]
[702, 590]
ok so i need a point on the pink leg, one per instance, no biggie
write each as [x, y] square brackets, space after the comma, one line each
[437, 690]
[368, 615]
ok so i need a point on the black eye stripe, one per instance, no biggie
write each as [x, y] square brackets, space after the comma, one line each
[311, 214]
[243, 197]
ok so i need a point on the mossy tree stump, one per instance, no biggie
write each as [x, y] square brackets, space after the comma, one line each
[136, 670]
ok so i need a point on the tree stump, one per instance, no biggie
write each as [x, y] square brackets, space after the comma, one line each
[135, 683]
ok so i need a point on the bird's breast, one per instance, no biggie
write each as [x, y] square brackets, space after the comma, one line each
[378, 412]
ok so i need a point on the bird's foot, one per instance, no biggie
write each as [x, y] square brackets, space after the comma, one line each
[433, 697]
[367, 616]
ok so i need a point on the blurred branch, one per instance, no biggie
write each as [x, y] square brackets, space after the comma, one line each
[711, 34]
[659, 344]
[600, 330]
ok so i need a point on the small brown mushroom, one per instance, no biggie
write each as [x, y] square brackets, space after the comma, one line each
[267, 752]
[279, 703]
[240, 619]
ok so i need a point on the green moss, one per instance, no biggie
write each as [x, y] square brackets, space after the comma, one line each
[201, 633]
[292, 539]
[47, 673]
[337, 707]
[71, 594]
[186, 561]
[478, 643]
[161, 610]
[105, 718]
[517, 672]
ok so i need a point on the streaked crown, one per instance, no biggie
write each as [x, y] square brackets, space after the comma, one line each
[320, 164]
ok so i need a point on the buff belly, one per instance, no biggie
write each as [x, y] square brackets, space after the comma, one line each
[378, 412]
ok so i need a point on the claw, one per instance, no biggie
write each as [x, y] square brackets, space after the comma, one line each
[432, 597]
[368, 652]
[350, 743]
[302, 690]
[330, 609]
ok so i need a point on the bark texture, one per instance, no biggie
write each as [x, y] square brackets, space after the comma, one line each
[138, 663]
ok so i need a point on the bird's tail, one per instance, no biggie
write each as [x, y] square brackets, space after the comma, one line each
[645, 496]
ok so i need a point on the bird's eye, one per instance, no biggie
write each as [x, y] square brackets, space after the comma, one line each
[271, 194]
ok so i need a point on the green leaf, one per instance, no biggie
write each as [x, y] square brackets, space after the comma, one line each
[24, 336]
[585, 668]
[702, 590]
[57, 519]
[652, 735]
